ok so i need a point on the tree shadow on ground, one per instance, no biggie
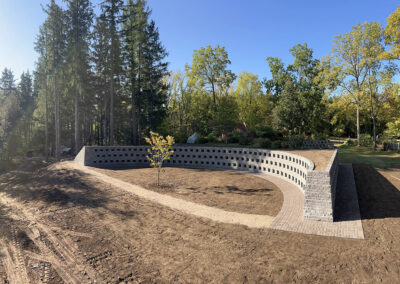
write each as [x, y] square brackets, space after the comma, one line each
[193, 189]
[58, 189]
[378, 198]
[245, 191]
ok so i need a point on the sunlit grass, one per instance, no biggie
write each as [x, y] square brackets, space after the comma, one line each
[366, 155]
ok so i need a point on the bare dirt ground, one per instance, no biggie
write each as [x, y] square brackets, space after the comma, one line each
[228, 190]
[61, 226]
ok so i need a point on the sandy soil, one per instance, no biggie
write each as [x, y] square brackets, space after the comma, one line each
[60, 226]
[321, 158]
[228, 190]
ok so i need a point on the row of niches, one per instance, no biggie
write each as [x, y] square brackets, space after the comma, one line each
[275, 165]
[295, 175]
[234, 152]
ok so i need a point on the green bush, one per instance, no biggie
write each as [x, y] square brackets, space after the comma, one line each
[366, 140]
[276, 144]
[265, 143]
[234, 136]
[285, 144]
[386, 138]
[245, 140]
[180, 137]
[349, 142]
[264, 131]
[202, 140]
[233, 139]
[211, 138]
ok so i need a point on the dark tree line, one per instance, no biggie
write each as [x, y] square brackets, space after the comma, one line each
[98, 77]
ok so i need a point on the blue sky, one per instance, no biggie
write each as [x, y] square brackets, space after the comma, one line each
[250, 30]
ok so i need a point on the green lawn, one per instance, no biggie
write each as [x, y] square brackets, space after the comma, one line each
[365, 155]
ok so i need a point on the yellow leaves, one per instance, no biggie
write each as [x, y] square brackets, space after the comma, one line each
[161, 149]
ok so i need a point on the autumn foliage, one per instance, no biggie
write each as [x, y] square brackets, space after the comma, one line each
[160, 151]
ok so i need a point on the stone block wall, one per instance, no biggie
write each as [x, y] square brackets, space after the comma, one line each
[318, 144]
[296, 169]
[320, 192]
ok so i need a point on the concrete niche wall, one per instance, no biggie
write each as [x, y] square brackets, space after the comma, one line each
[290, 167]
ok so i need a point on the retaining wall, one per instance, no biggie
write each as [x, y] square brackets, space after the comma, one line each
[393, 146]
[290, 167]
[320, 192]
[318, 144]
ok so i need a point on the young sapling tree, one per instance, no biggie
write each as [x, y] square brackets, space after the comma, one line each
[160, 151]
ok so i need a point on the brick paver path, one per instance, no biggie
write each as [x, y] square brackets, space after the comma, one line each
[290, 218]
[349, 225]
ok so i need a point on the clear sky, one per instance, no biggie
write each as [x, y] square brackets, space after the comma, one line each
[251, 30]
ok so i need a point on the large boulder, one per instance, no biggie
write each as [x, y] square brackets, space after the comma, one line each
[192, 139]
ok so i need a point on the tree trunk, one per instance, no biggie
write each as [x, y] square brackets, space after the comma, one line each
[77, 123]
[158, 177]
[358, 124]
[57, 119]
[102, 130]
[213, 91]
[46, 129]
[373, 119]
[374, 130]
[139, 131]
[134, 122]
[112, 110]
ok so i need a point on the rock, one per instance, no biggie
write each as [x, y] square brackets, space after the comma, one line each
[192, 139]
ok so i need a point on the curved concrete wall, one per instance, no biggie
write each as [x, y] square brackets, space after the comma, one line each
[291, 167]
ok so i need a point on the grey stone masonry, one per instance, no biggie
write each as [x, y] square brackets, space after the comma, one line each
[320, 192]
[294, 168]
[318, 144]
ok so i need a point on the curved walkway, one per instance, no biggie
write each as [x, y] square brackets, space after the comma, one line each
[290, 218]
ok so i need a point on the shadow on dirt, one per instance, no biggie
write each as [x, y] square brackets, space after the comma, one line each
[60, 188]
[378, 197]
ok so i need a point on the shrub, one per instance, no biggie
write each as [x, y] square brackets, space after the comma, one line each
[264, 131]
[365, 140]
[265, 143]
[276, 145]
[285, 144]
[245, 140]
[202, 140]
[233, 139]
[234, 136]
[386, 138]
[211, 138]
[180, 137]
[295, 141]
[349, 142]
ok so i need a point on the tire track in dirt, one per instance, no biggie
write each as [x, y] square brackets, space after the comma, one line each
[18, 255]
[45, 272]
[15, 270]
[8, 263]
[59, 251]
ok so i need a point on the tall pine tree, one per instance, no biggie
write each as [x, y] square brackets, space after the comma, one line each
[79, 19]
[144, 60]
